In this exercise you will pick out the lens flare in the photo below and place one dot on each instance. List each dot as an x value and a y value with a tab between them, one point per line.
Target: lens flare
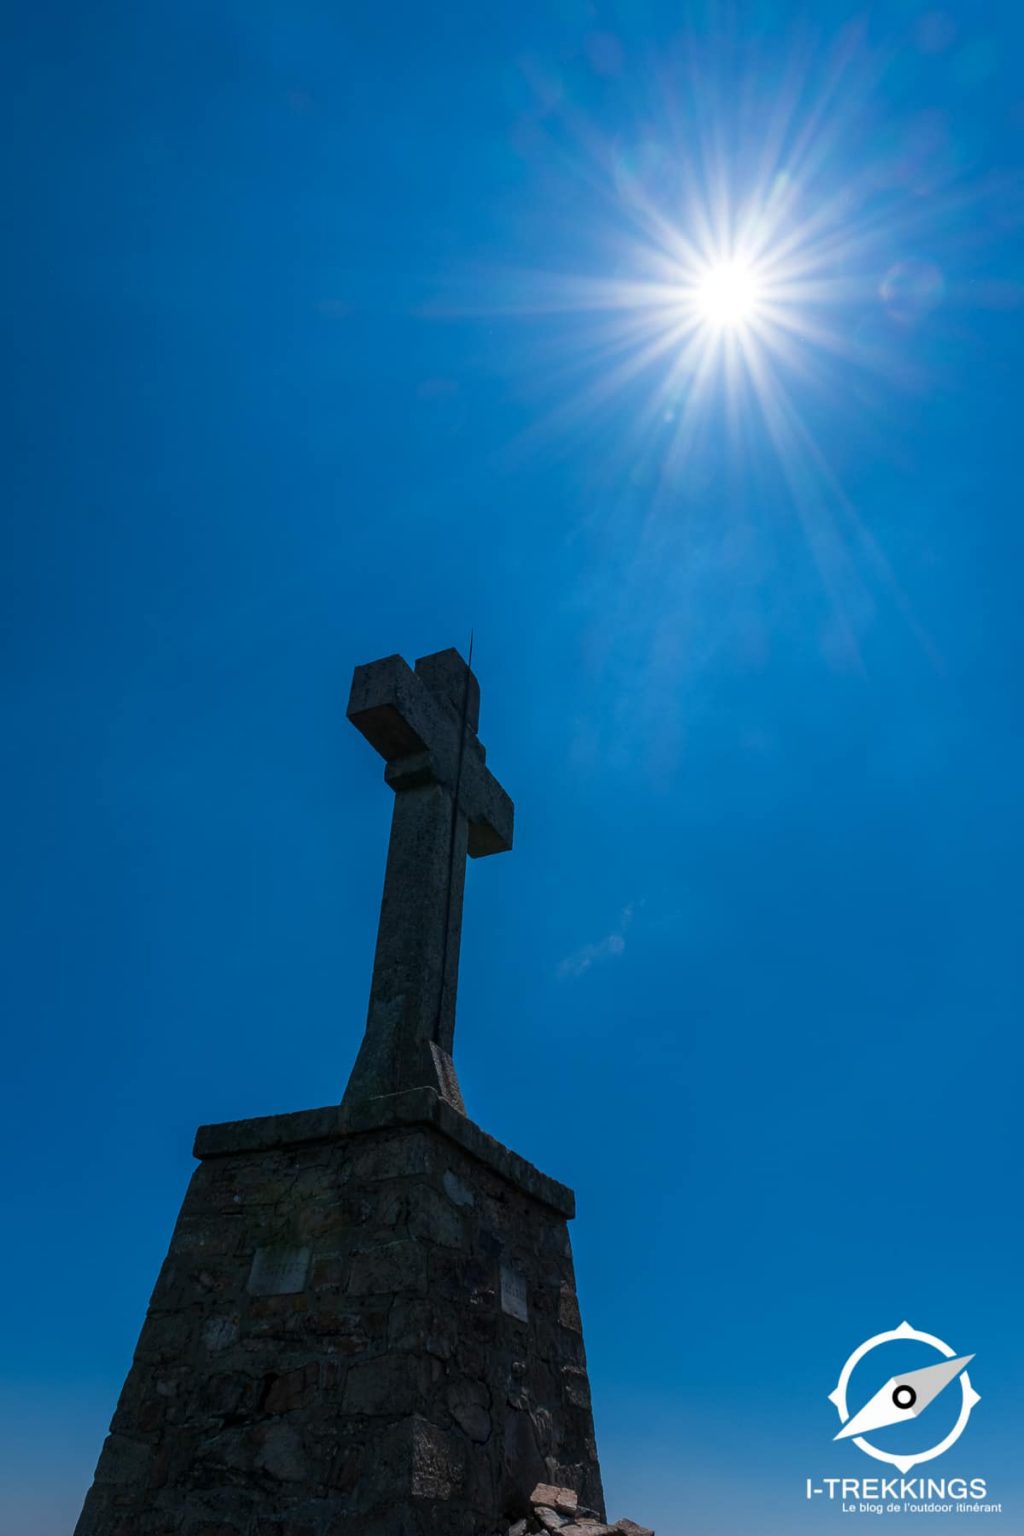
726	286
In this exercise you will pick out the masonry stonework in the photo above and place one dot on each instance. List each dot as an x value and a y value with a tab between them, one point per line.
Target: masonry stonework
355	1331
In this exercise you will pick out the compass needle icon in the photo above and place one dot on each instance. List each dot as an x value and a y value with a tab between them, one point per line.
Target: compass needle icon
904	1397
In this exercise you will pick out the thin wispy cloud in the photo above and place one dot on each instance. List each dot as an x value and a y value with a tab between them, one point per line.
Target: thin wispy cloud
578	963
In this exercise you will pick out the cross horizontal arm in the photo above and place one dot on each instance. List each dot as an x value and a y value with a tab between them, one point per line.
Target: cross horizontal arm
418	734
489	810
395	710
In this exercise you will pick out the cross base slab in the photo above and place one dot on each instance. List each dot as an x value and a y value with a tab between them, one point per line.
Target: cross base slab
414	1106
381	1066
366	1326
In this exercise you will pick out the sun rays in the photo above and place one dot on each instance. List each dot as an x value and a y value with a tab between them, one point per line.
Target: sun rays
721	319
744	249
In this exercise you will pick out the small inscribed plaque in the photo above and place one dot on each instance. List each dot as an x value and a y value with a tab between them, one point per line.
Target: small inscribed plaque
278	1271
513	1293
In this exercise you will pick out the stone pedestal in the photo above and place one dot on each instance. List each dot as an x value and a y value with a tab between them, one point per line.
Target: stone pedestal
366	1326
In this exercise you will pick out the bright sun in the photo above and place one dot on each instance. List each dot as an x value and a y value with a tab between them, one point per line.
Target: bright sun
727	295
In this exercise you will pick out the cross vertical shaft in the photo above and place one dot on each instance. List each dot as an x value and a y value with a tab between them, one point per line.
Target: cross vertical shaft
447	806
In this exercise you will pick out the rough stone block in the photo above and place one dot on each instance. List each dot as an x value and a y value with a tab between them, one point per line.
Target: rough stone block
281	1453
438	1462
387	1385
293	1389
389	1270
123	1461
469	1403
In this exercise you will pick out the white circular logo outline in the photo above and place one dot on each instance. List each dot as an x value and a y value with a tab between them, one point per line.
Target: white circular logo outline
968	1397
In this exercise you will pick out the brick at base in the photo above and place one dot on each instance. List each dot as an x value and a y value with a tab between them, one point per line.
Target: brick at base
362	1328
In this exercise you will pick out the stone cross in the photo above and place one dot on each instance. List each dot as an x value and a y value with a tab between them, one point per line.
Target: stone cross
447	805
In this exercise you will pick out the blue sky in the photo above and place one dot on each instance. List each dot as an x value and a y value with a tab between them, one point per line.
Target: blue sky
307	368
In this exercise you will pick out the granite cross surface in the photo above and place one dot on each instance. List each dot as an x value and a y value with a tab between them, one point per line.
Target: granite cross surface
447	805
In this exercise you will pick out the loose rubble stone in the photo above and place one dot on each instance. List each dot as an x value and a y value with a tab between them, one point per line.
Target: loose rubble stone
555	1498
544	1519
